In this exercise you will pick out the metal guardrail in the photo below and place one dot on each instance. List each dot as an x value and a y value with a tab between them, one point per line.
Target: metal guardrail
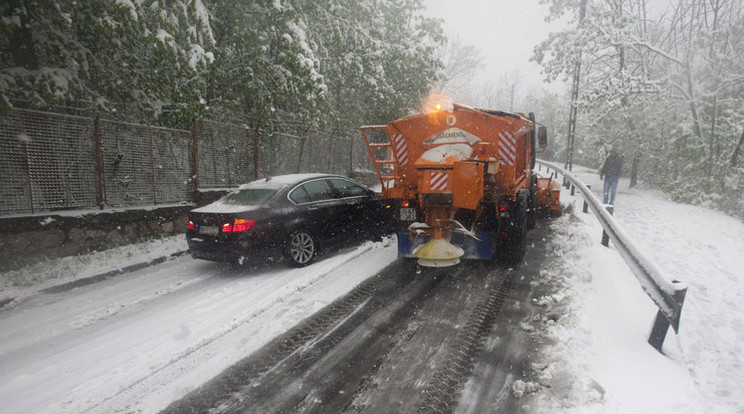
668	294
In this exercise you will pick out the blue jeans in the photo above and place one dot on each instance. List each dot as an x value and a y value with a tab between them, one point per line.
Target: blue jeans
610	187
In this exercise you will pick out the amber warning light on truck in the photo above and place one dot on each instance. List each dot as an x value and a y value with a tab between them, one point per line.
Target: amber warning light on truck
437	101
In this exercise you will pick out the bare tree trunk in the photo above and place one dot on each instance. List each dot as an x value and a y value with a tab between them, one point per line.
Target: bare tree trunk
693	108
573	113
22	45
712	144
634	170
735	155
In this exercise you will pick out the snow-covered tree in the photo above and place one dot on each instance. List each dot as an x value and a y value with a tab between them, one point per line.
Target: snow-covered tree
667	91
100	56
378	58
265	71
280	64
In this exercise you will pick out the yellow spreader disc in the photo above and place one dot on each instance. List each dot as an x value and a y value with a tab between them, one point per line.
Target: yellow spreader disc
438	253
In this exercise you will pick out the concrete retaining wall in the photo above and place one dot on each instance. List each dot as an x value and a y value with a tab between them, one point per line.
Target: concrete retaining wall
25	239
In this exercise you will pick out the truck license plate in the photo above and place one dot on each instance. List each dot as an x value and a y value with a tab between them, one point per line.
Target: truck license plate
209	230
408	214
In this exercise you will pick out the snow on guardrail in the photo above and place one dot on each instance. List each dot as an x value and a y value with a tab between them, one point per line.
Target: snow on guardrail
668	294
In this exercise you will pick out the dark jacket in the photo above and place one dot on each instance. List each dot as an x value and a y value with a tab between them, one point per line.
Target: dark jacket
612	166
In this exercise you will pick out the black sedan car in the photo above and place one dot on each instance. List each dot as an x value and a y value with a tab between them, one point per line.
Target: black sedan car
290	216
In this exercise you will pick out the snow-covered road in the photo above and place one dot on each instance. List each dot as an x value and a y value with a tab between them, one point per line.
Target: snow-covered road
135	343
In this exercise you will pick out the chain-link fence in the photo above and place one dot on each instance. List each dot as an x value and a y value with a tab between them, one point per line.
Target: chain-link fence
54	162
143	165
47	162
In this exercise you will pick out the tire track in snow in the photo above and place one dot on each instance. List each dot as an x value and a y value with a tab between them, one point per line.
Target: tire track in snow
147	393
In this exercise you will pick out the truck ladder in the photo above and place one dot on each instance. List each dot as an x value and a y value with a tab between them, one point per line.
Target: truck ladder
385	166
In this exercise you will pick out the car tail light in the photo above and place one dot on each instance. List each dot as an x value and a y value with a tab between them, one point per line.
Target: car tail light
191	225
405	203
237	226
503	206
242	225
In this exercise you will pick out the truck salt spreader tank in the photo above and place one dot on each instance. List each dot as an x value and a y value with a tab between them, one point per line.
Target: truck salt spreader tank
464	181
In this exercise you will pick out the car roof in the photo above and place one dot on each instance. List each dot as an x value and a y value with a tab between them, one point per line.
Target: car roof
278	182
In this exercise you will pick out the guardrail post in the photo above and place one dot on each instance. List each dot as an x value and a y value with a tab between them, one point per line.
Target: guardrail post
661	324
573	189
605	237
585	209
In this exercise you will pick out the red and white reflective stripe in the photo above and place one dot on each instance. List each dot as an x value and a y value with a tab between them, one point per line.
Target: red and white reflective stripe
401	149
507	148
438	181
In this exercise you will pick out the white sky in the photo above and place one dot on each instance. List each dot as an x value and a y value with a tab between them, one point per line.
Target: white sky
506	31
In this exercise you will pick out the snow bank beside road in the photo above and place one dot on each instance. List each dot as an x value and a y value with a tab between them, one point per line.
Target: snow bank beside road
599	360
16	285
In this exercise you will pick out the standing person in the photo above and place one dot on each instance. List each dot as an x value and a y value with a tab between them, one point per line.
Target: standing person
611	170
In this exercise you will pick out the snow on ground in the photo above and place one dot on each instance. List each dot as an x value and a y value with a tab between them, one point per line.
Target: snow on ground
599	360
103	347
21	283
138	341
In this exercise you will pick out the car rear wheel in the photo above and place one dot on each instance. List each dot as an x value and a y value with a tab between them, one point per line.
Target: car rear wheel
301	249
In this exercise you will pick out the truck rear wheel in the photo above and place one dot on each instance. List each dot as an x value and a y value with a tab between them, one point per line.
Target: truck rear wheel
514	241
516	245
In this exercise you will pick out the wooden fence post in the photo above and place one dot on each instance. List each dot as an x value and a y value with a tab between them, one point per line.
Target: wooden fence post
99	161
351	155
152	168
302	148
194	160
255	151
29	179
330	152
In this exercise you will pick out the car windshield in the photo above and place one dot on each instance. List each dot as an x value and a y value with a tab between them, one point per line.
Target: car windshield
248	196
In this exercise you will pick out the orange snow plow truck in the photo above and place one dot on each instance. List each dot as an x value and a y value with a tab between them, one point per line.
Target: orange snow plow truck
463	181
